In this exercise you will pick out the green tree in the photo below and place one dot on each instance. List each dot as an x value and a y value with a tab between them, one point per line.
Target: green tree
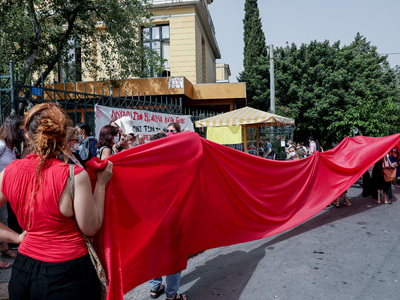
397	71
254	49
330	89
40	36
371	102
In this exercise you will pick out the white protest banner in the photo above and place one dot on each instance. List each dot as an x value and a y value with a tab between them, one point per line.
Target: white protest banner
146	122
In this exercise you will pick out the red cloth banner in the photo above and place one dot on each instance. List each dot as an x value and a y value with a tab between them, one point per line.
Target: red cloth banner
182	194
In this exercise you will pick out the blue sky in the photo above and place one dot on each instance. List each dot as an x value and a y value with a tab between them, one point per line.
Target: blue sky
302	21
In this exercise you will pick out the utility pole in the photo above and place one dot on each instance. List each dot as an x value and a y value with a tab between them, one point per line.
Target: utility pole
272	78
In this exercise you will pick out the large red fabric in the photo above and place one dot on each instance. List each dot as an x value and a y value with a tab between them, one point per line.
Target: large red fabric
183	194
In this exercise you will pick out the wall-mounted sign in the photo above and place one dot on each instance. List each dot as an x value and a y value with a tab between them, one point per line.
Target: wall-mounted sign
175	82
37	92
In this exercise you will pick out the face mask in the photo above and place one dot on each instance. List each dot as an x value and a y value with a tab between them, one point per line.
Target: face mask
291	154
116	139
170	133
75	147
298	147
394	150
80	137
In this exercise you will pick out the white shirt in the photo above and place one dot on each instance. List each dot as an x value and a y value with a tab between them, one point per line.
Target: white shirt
6	155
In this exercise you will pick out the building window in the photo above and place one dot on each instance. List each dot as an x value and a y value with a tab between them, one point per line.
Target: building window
157	39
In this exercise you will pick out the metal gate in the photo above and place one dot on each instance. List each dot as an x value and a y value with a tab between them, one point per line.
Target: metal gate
16	98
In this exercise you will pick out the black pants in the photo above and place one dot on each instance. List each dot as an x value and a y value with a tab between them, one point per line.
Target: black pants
34	279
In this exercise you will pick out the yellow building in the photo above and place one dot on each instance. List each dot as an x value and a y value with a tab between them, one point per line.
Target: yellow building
184	35
223	72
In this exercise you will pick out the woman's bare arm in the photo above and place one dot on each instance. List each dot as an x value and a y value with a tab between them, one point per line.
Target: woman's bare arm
89	209
7	234
106	153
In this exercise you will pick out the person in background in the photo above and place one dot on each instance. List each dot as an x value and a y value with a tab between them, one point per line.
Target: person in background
300	151
312	145
87	147
108	137
269	152
288	145
73	148
252	149
173	128
173	280
53	260
368	184
121	144
261	147
128	138
293	153
304	148
11	136
345	200
158	135
380	184
395	159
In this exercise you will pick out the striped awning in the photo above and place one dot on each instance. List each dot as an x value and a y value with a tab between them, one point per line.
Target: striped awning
245	115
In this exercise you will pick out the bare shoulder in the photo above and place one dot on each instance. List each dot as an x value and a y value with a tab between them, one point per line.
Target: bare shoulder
82	176
106	153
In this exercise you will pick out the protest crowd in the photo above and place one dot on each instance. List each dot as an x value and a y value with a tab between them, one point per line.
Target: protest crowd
58	208
378	181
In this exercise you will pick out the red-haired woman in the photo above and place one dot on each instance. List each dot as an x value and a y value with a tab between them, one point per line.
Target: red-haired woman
108	137
53	260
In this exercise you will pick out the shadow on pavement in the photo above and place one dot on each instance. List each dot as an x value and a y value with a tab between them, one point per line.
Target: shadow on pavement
226	275
329	215
232	271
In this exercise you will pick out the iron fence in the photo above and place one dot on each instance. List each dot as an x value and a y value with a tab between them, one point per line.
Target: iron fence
6	94
16	97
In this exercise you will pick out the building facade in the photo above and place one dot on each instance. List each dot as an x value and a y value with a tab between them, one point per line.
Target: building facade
184	35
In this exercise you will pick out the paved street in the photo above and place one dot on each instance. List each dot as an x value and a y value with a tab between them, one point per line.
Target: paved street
341	253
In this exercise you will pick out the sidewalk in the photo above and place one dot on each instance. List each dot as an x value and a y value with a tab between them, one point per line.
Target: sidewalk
5	276
323	227
345	253
3	290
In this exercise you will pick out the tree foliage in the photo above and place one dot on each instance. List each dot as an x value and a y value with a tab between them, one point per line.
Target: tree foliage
329	89
397	71
38	34
254	49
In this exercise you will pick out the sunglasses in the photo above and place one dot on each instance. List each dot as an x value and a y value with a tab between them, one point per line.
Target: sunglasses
173	131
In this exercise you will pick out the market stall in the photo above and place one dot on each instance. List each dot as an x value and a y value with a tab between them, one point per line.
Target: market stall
231	127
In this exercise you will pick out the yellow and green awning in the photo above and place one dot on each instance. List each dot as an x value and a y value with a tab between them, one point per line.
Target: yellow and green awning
245	116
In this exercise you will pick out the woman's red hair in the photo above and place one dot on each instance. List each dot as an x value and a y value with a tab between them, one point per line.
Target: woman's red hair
46	125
